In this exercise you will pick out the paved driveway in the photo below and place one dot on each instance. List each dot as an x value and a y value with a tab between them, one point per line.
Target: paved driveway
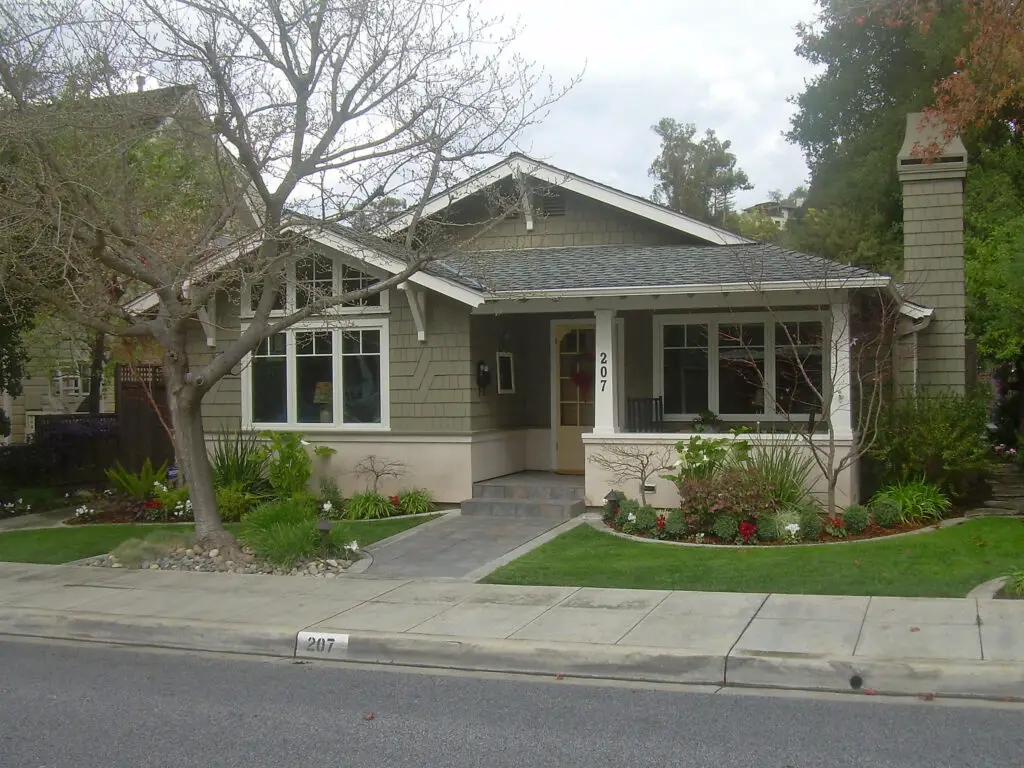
454	546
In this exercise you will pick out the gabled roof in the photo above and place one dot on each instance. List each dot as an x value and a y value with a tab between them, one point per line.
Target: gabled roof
519	164
638	269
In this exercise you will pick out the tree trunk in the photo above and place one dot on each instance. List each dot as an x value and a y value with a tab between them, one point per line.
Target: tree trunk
190	450
96	361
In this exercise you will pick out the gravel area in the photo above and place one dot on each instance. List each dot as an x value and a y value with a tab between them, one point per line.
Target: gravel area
212	561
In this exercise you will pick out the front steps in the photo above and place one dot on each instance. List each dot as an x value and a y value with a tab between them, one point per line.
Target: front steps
528	494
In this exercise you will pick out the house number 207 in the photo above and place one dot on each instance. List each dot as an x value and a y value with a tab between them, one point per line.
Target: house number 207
604	370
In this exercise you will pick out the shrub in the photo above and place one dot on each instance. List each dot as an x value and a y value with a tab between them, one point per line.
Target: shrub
857	518
1015	583
943	435
886	512
282	511
811	524
289	466
138	485
332	503
369	505
726	527
835	526
282	532
626	519
675	524
416	502
741	492
918	502
233	502
240	461
702	458
787	525
784	470
646	520
768	528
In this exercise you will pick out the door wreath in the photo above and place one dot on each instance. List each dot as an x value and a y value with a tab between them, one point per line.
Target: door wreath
582	375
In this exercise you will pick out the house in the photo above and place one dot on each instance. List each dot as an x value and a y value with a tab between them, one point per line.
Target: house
588	319
779	211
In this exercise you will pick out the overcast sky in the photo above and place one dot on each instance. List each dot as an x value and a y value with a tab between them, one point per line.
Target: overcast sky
722	64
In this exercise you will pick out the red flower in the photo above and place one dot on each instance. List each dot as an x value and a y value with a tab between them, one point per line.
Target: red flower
152	504
394	501
661	522
748	531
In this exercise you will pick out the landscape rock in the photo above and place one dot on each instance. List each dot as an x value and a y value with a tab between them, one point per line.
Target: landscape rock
192	559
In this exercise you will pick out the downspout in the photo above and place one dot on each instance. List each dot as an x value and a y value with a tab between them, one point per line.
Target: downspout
914	330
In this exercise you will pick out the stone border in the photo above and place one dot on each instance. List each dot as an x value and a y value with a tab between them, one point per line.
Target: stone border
988	590
598	524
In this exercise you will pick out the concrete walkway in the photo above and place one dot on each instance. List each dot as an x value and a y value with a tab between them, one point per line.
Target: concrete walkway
881	644
51	519
456	546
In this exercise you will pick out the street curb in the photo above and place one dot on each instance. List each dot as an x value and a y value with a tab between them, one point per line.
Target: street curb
979	679
585	660
180	634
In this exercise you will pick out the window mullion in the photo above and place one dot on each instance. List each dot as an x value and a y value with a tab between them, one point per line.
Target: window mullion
291	387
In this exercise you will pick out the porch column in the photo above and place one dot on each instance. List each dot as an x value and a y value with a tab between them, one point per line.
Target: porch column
605	412
841	382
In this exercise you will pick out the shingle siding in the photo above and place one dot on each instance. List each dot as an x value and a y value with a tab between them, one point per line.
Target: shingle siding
222	406
933	264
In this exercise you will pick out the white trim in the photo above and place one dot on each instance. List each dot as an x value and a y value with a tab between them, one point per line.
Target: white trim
670	438
338	326
606	417
712	320
511	390
520	164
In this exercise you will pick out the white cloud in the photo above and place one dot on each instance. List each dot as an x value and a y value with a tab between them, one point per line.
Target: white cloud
727	65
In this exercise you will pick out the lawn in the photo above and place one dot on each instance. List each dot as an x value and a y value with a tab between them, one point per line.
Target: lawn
945	563
62	545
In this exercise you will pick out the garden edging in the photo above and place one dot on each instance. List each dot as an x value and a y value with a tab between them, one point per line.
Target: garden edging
988	590
599	524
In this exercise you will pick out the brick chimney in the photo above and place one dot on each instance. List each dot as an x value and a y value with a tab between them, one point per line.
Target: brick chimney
933	253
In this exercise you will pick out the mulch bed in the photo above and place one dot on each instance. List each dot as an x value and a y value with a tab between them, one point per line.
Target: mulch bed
120	511
873	531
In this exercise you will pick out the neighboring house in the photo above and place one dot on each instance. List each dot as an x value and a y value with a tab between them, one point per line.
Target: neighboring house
779	211
569	328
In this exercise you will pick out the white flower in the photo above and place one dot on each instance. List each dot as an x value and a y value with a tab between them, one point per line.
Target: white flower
304	442
793	528
678	464
631	517
20	501
700	538
353	545
327	506
28	507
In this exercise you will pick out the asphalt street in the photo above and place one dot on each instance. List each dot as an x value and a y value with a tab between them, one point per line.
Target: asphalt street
65	705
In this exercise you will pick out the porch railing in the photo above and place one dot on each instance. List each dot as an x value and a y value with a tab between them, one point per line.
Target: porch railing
645	414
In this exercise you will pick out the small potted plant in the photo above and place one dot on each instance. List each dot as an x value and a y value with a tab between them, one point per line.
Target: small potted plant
706	421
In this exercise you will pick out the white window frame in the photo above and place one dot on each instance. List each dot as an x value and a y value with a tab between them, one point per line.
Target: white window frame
768	320
71	385
338	262
338	326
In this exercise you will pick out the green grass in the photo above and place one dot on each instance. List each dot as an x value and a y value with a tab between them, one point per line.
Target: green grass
62	545
945	563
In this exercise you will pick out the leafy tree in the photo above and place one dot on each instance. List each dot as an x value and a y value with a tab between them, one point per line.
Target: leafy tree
15	321
850	122
122	194
698	178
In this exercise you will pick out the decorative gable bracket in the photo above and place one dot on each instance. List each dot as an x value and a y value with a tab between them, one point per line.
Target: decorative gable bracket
417	306
208	319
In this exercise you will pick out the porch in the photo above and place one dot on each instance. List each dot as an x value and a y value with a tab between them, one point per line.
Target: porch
572	384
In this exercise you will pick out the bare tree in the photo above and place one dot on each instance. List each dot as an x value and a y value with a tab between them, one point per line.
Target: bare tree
107	195
634	463
377	468
841	362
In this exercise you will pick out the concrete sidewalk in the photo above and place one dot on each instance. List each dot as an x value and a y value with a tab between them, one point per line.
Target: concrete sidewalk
885	645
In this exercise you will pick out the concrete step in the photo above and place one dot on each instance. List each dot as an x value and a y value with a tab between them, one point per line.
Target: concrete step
497	489
553	509
1012	504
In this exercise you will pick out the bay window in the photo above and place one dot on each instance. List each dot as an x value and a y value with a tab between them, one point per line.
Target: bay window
740	366
322	373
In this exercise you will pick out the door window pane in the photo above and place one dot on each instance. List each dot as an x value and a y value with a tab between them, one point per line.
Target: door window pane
360	377
685	369
270	381
799	369
741	356
314	376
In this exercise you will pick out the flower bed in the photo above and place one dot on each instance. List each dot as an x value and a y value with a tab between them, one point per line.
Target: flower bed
735	495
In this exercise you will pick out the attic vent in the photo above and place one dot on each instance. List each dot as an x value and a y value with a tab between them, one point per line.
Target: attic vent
551	203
